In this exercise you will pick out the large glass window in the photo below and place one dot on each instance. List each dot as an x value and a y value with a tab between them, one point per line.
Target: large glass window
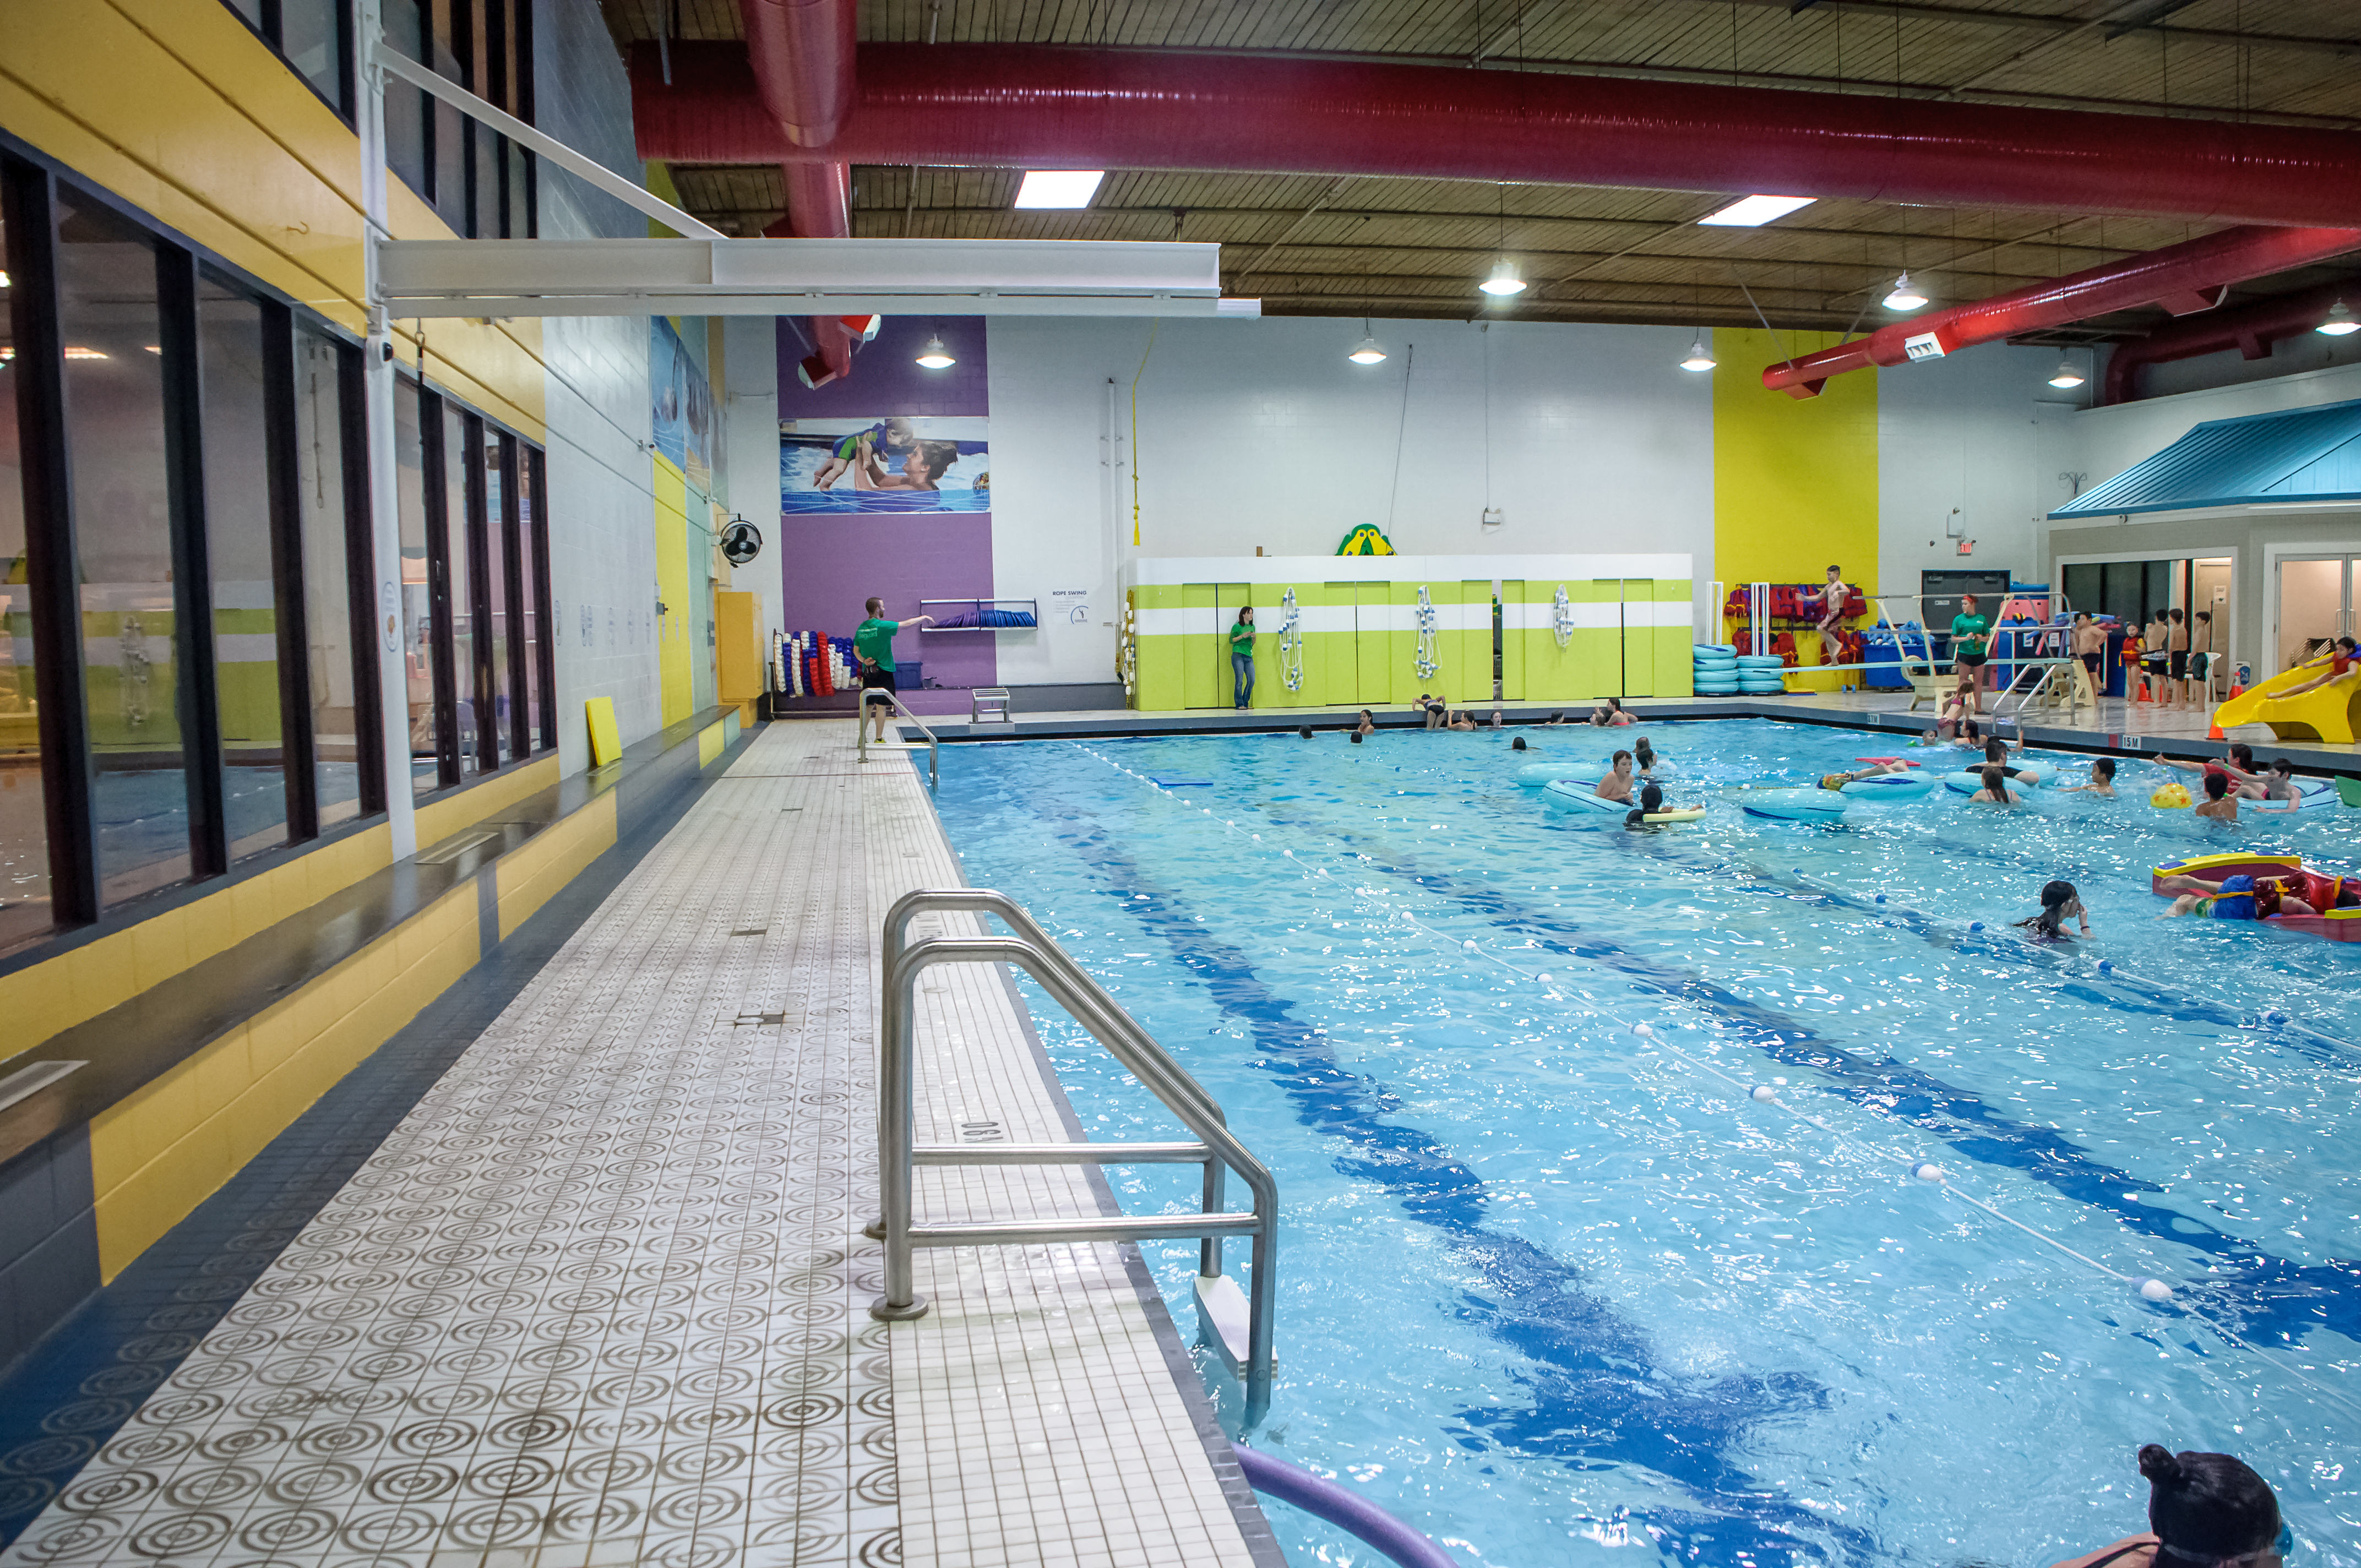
320	501
133	650
499	527
238	562
309	36
458	600
418	650
24	820
533	569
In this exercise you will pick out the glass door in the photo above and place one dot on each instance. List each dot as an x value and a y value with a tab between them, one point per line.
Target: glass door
2315	604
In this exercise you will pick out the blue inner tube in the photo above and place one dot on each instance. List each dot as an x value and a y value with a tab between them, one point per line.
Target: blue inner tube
1795	805
1584	793
1894	786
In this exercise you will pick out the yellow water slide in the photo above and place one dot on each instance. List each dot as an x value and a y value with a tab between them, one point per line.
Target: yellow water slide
2328	714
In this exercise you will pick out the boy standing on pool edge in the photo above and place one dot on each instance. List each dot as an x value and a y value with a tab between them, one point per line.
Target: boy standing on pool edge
873	646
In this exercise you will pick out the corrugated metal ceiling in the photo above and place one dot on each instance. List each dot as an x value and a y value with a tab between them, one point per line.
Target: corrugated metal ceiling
1417	246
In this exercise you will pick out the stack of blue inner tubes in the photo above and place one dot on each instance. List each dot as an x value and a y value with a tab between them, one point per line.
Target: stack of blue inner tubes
1717	669
1759	673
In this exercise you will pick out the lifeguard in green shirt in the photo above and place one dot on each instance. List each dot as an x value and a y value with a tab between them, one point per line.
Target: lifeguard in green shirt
873	646
1242	636
1968	630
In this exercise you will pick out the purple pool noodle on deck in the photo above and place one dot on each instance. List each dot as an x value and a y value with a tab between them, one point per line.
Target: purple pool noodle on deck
1346	1510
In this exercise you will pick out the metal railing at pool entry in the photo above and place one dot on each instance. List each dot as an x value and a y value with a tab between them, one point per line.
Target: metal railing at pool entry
1350	1511
861	726
1088	1004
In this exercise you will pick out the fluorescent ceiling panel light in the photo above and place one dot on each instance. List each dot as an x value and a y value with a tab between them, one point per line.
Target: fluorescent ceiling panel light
1751	212
1059	187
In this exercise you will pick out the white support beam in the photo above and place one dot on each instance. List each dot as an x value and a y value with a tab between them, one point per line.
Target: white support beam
395	63
800	277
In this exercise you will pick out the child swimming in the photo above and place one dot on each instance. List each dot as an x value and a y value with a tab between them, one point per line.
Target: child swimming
2059	902
2102	780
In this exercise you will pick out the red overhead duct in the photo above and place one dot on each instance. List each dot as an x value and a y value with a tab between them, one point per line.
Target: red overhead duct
1036	106
800	55
2183	278
2251	329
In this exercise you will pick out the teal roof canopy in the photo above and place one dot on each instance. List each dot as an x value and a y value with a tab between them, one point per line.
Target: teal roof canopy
2301	455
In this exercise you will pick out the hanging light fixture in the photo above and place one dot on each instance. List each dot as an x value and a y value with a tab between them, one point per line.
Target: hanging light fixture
1369	351
2066	374
934	356
1906	295
1699	359
2340	322
1504	280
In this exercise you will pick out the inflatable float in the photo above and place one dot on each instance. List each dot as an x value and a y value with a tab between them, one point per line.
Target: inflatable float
1970	780
1584	793
1890	787
1795	805
2338	897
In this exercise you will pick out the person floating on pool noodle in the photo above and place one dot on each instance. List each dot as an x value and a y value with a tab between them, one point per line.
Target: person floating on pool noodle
855	451
2204	1511
2341	661
1651	800
2102	780
1617	785
1995	791
2060	901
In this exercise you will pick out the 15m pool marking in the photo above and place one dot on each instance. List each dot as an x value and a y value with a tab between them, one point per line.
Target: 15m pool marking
2043	1153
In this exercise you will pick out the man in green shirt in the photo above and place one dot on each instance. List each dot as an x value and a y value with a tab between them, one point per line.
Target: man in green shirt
1242	636
873	646
1968	630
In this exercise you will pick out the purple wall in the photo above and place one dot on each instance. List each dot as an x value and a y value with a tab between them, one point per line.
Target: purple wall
830	563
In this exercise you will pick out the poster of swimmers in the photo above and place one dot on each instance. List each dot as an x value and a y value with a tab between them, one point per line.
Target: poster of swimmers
888	462
681	398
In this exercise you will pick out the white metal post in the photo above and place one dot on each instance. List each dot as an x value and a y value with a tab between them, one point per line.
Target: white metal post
378	391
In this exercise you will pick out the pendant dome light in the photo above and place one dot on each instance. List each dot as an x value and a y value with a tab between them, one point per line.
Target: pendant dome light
1699	359
1505	279
1906	295
2066	374
1369	351
2340	322
935	356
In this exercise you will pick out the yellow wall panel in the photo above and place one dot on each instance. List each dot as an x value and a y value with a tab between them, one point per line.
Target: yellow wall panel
672	586
587	835
708	745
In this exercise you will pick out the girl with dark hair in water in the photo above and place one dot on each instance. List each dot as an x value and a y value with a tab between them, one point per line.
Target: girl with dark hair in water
2204	1511
2060	903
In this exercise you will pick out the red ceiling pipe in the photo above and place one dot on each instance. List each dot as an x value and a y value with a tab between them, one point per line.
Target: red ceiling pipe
1036	106
2183	278
2251	329
801	54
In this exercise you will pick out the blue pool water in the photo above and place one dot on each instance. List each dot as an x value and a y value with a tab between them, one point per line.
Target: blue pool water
1559	1293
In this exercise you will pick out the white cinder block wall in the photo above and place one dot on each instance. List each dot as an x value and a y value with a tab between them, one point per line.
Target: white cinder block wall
1261	433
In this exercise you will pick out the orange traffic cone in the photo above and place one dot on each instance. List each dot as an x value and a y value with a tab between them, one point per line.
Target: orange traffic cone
2215	734
2236	688
2142	693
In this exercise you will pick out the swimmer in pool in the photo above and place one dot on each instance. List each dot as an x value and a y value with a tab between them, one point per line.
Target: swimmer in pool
1995	791
922	469
2238	768
2219	804
1437	716
1518	744
1617	785
2102	780
2059	902
1644	759
1652	799
1875	769
1997	755
2204	1511
1357	737
1609	714
1463	720
1369	725
1557	719
2279	784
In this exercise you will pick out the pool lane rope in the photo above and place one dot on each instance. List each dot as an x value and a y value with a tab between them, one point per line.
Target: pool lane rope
2150	1288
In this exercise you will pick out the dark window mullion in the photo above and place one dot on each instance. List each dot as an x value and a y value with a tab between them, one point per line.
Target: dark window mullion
370	624
426	106
195	690
480	596
462	50
273	24
29	199
347	83
290	611
545	645
512	588
522	89
495	76
432	426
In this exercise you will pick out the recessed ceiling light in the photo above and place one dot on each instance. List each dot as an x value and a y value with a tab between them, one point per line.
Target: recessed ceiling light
1699	359
1504	280
934	356
1059	187
1750	212
2066	374
1906	295
2340	322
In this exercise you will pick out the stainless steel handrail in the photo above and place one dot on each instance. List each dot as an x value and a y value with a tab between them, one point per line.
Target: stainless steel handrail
1089	1004
860	725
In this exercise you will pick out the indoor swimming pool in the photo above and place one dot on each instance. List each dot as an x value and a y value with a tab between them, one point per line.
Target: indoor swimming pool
1889	1242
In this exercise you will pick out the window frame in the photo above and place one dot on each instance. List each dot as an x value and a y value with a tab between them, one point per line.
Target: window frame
271	30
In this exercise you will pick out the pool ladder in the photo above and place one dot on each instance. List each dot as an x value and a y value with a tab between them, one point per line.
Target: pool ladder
860	727
1245	1345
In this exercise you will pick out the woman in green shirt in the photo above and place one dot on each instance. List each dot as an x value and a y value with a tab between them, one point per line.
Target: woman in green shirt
1968	630
1242	636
